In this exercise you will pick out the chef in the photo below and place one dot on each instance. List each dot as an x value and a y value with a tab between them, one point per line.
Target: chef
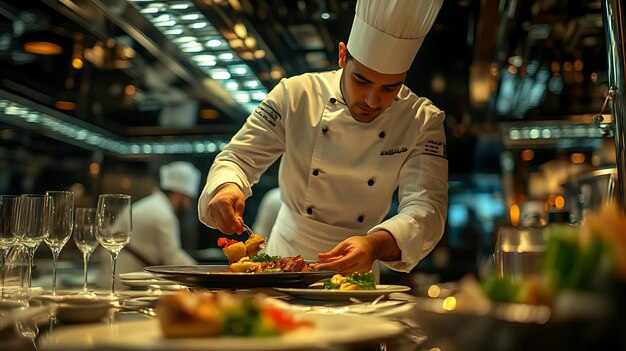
348	139
156	227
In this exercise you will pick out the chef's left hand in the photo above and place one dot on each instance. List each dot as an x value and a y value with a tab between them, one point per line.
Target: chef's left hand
354	254
357	253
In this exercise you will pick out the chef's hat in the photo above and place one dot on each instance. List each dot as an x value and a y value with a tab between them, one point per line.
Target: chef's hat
181	177
386	34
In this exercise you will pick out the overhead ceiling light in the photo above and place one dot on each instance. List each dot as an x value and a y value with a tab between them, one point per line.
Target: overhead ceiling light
209	114
199	38
198	25
231	85
236	43
250	42
240	30
220	74
149	10
77	63
252	84
173	31
213	43
65	105
43	48
66	128
235	4
259	54
227	56
247	55
185	39
190	17
179	6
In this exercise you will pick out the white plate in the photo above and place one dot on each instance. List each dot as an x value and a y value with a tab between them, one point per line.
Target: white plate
136	276
146	335
147	282
317	292
77	299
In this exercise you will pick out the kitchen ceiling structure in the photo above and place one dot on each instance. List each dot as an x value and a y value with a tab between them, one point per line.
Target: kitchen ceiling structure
146	77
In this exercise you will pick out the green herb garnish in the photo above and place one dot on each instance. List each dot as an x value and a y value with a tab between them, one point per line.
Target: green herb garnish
263	257
365	281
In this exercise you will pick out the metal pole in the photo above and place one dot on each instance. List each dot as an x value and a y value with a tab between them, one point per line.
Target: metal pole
614	26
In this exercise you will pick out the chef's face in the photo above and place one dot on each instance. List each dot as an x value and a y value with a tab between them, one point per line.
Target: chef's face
367	92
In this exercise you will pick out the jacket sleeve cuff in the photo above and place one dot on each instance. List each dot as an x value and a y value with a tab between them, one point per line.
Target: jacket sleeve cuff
408	235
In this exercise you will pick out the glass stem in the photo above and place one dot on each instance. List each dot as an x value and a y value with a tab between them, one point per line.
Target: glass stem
85	260
55	258
5	254
31	257
113	261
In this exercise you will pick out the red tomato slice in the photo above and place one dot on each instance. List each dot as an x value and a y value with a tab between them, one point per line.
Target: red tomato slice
225	242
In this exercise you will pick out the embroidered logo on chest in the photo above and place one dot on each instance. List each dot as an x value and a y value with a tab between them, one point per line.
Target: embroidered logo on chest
393	151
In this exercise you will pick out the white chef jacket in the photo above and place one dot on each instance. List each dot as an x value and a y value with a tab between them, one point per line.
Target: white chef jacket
155	236
337	175
267	212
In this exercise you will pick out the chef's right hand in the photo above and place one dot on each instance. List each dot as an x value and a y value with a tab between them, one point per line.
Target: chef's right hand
226	208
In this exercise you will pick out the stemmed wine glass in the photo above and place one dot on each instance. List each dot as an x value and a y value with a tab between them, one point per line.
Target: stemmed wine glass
7	233
60	209
32	226
114	222
85	235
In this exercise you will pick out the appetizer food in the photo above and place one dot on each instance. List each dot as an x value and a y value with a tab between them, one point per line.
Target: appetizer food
264	263
207	314
245	257
354	281
236	250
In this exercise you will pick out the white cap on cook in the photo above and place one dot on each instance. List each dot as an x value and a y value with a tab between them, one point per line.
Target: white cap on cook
387	34
180	176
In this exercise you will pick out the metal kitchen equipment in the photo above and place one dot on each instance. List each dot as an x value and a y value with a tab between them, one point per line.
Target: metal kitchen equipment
615	29
593	190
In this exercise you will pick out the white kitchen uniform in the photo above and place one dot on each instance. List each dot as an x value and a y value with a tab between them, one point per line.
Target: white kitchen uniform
155	236
337	175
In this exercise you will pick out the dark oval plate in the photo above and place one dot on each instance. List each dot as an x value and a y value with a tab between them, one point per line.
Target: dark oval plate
218	276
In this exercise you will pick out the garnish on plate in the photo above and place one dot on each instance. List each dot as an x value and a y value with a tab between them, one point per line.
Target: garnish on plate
263	257
208	314
354	281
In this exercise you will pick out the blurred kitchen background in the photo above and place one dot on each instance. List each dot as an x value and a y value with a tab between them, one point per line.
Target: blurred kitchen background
95	95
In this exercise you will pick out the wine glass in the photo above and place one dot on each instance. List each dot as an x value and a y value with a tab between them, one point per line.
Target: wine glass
114	222
7	233
60	209
32	226
85	235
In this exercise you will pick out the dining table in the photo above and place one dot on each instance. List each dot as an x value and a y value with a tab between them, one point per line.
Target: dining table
392	317
45	322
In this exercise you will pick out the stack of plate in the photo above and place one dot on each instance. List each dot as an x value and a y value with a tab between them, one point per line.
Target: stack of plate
146	280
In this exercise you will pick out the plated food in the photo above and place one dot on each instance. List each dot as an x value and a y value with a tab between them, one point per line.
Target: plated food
244	257
209	314
236	250
354	281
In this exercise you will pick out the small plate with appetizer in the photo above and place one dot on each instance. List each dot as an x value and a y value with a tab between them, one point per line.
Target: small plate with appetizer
339	287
